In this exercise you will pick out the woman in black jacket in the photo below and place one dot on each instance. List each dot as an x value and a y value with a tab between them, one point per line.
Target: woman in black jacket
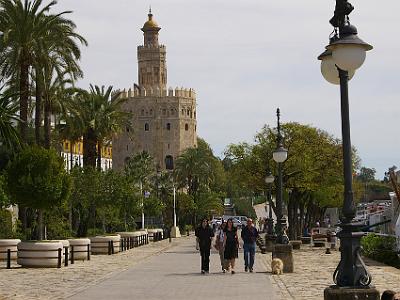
204	234
231	245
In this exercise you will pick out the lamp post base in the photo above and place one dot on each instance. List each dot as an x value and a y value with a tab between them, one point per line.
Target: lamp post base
285	253
269	242
175	233
344	293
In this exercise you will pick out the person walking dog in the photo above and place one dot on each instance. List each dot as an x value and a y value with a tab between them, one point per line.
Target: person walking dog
204	234
249	236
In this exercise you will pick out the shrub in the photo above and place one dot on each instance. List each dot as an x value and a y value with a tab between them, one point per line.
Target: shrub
381	248
6	230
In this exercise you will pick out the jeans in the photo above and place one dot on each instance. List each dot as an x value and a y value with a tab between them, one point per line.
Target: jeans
249	250
205	258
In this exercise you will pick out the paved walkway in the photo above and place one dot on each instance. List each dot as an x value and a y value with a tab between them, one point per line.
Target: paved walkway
174	274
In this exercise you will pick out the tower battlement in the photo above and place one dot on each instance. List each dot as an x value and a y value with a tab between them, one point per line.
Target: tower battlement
141	47
153	92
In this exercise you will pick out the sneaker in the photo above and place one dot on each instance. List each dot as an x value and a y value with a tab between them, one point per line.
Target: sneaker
251	270
203	272
233	272
223	270
246	269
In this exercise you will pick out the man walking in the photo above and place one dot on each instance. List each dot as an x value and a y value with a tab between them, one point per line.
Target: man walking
249	236
204	234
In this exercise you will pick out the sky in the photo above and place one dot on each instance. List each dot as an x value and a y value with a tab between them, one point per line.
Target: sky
245	58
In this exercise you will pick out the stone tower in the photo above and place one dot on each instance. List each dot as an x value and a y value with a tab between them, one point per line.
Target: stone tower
163	121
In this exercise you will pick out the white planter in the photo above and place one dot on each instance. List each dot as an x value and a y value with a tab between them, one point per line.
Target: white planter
80	248
100	243
8	244
39	254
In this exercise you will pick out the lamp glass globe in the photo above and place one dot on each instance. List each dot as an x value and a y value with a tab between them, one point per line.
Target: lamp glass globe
348	57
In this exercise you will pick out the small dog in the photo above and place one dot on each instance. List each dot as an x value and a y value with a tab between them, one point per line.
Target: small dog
277	266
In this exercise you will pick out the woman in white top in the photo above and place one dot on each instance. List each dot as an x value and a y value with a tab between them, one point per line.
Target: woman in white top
219	244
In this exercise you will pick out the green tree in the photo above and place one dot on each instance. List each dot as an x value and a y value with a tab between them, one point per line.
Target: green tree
100	118
9	136
28	30
366	174
36	178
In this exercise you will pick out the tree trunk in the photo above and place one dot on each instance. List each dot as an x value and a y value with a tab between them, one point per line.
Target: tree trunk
89	149
71	156
47	124
40	224
23	97
99	146
38	108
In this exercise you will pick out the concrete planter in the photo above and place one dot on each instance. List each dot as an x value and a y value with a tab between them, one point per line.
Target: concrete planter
154	232
80	248
100	244
8	244
39	254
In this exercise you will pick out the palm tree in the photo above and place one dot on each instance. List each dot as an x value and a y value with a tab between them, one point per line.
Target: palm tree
9	136
27	31
100	118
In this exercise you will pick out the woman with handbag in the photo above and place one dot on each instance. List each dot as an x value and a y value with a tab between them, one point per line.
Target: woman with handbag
219	244
231	246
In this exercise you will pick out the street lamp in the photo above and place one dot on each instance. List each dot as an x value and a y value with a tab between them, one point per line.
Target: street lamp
345	53
269	179
279	155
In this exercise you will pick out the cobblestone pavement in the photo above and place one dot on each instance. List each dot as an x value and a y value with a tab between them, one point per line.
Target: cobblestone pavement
48	283
314	270
175	274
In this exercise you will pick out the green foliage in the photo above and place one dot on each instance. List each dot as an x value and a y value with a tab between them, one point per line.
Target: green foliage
366	174
6	229
37	178
381	248
4	198
243	207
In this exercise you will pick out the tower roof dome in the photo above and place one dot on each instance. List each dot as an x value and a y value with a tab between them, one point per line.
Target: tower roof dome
150	23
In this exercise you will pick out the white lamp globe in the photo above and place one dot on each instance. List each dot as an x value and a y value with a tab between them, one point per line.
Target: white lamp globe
348	57
280	155
328	68
269	179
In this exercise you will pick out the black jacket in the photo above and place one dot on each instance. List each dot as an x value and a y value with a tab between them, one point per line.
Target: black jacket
204	235
249	236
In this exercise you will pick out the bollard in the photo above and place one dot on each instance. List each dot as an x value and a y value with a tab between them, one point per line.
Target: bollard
8	258
112	247
121	245
72	255
59	258
170	239
88	251
66	257
109	247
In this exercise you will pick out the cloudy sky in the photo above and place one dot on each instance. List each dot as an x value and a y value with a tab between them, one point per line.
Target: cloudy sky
245	58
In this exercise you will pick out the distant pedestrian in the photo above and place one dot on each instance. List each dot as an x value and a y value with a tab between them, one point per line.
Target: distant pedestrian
219	244
231	246
204	234
249	236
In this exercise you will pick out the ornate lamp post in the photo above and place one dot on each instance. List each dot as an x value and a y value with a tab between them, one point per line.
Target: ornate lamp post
269	179
279	155
345	53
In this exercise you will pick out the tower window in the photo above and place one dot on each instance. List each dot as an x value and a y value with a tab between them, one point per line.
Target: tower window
168	126
127	129
169	162
146	127
186	127
188	112
183	112
195	114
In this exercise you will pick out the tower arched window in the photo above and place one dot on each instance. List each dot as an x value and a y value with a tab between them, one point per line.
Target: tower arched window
168	126
186	127
169	162
146	127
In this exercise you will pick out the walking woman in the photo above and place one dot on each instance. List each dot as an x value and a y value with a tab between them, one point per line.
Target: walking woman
204	234
231	245
219	244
